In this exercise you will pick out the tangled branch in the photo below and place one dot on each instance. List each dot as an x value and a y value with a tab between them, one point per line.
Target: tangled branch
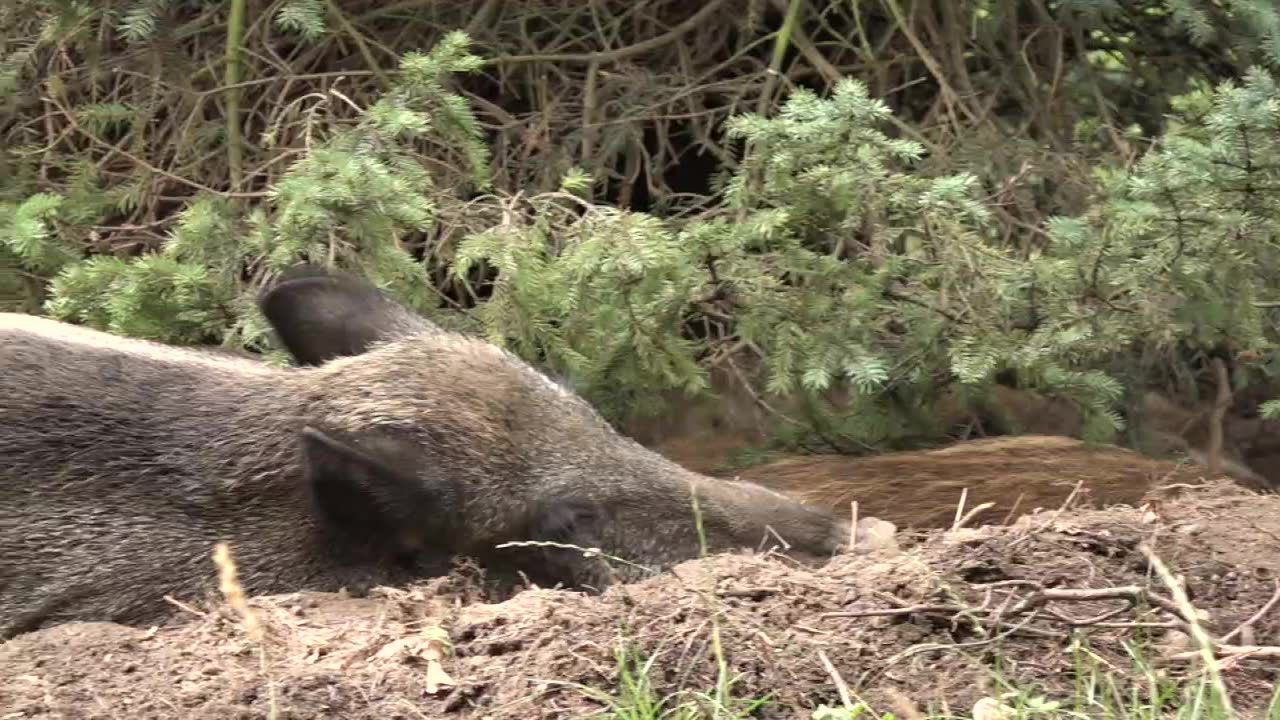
1013	607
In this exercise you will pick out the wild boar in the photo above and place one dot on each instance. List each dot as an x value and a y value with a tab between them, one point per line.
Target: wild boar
1016	473
705	434
395	447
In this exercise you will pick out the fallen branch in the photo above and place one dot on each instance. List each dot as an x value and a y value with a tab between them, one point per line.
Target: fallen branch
1275	597
973	513
1000	619
1032	532
1035	600
1232	651
1220	405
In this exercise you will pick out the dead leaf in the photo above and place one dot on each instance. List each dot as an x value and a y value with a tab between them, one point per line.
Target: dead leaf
989	708
431	645
438	646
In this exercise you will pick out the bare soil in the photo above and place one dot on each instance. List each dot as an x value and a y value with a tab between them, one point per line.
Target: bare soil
336	657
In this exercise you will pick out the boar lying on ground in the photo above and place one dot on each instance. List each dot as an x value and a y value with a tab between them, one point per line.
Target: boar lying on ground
1018	474
396	447
705	434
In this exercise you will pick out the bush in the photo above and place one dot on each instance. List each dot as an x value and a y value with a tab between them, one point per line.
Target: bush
865	288
345	204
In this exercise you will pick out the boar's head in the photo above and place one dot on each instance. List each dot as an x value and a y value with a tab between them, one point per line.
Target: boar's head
415	422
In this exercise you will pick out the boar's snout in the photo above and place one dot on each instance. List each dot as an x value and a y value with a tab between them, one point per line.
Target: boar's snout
808	530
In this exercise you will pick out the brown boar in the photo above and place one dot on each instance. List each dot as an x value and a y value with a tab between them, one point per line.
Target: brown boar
395	448
703	434
921	489
1013	411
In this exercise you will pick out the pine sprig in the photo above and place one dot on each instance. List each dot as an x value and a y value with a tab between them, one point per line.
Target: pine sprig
305	18
347	203
864	286
138	23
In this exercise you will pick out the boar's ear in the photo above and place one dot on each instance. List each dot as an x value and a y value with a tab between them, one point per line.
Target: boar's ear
319	316
368	491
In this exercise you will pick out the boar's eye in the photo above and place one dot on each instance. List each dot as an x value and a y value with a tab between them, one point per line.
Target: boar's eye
573	521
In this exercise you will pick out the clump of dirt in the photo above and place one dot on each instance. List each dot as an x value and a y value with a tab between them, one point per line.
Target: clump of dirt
926	623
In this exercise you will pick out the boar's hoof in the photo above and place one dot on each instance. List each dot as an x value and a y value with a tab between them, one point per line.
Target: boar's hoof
875	534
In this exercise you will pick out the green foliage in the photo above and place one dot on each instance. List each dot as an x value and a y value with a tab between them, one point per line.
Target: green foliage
1252	26
156	297
1270	410
843	271
851	276
576	182
1182	250
30	235
863	284
346	203
139	21
599	298
1103	689
305	18
13	289
636	699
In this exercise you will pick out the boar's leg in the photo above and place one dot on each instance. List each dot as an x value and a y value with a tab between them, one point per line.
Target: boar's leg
319	316
361	489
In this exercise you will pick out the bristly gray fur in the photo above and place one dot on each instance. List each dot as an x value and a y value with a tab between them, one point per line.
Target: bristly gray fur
124	461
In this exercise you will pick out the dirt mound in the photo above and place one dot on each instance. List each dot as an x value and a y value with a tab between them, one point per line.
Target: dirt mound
927	624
